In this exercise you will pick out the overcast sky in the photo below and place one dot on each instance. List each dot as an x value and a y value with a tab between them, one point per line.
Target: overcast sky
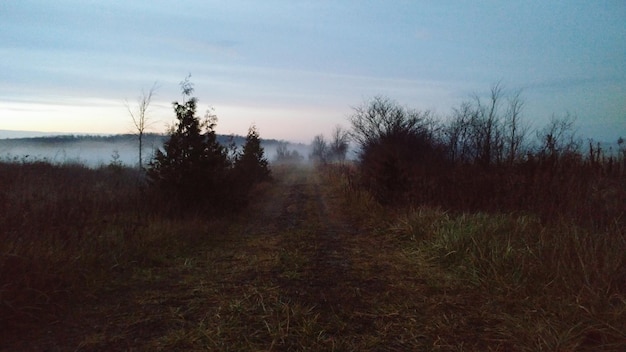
295	68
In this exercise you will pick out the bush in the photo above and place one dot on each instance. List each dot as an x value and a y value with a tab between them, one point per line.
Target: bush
475	163
393	143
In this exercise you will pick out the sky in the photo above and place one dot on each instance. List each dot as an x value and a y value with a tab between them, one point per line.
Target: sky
297	69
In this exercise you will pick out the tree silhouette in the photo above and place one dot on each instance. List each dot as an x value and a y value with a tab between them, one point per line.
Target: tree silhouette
284	155
320	151
338	147
251	165
393	142
140	117
191	167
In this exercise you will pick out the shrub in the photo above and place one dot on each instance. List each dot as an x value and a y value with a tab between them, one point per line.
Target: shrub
393	142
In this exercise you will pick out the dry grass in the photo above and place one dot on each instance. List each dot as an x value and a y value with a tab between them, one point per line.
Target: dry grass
500	281
312	264
548	288
68	230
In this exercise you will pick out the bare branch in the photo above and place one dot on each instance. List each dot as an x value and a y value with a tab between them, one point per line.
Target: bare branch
140	117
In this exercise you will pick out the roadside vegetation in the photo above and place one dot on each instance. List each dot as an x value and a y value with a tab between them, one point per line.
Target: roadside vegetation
531	230
69	230
499	281
473	233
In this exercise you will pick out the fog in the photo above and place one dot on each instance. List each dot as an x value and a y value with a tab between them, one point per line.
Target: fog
71	149
96	151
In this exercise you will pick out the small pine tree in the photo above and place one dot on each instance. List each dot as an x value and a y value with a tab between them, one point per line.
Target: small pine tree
192	166
252	166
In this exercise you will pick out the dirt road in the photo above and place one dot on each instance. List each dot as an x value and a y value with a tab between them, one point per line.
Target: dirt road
307	267
292	273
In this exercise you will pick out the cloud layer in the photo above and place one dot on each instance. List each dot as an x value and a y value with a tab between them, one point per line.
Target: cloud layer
306	61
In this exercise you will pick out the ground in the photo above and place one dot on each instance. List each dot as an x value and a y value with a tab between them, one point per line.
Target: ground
286	279
295	271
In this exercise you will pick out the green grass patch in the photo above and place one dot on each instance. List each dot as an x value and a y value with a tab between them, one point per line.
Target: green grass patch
546	287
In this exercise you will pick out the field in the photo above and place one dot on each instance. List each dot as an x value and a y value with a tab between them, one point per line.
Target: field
88	264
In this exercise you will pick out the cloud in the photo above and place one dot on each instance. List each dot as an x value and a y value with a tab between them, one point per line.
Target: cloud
571	82
223	48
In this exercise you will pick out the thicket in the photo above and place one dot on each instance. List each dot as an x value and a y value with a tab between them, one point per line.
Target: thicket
528	223
483	158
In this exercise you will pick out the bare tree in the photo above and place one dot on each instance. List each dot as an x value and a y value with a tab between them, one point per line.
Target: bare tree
559	137
487	132
140	117
458	132
515	131
319	148
339	144
284	155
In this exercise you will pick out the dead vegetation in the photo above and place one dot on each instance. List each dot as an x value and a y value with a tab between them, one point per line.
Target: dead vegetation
312	264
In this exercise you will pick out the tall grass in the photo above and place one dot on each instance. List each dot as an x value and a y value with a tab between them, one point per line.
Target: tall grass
571	187
68	230
551	284
565	277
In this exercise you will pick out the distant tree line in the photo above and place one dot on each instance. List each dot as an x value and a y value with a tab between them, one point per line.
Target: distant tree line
484	157
286	156
330	152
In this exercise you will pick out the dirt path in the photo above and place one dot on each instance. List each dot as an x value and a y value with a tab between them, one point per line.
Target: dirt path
319	281
326	279
291	274
302	269
343	277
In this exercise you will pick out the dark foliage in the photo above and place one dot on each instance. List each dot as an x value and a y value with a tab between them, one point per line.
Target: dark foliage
251	166
192	165
191	168
194	170
482	161
395	143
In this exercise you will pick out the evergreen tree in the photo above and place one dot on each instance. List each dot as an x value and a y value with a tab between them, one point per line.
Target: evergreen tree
192	166
252	166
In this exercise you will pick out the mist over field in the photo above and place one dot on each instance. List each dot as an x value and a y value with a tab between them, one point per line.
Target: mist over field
95	151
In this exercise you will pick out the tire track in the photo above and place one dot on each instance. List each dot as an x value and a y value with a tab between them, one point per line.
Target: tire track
327	282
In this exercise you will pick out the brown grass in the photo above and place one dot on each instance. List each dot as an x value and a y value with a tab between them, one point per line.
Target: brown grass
313	264
506	281
67	230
